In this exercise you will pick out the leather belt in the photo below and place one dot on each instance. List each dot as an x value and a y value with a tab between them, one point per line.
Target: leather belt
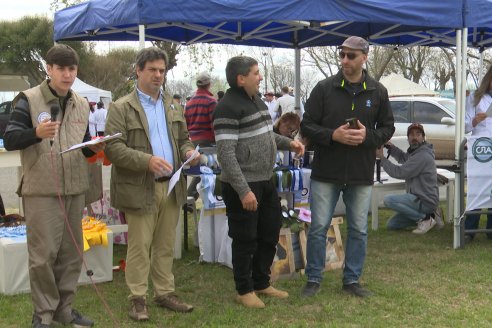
162	179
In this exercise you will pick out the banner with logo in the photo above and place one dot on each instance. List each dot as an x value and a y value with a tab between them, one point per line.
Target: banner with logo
479	173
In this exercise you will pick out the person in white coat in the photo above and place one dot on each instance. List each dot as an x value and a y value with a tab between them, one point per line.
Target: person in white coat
100	117
479	124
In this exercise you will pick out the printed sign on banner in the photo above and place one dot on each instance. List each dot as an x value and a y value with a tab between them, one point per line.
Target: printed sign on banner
479	173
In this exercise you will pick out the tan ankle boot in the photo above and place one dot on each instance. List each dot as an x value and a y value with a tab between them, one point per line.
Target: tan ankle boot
250	300
272	292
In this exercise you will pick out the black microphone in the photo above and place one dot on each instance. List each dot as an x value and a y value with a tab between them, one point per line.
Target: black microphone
55	109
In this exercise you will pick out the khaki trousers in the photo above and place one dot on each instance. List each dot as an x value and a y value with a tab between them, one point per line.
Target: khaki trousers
54	262
151	238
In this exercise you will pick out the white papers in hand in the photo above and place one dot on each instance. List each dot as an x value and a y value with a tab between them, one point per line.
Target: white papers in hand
175	178
92	142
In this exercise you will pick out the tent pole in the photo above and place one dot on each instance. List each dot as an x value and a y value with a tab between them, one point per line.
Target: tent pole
141	36
297	82
464	45
457	181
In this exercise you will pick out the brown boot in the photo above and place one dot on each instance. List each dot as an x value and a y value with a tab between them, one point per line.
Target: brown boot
172	302
272	292
250	300
138	309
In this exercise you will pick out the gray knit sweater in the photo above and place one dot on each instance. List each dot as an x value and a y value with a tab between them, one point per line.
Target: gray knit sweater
246	143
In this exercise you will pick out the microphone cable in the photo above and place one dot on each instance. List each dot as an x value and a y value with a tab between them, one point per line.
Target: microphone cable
88	272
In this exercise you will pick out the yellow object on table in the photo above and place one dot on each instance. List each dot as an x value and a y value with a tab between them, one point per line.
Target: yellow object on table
95	232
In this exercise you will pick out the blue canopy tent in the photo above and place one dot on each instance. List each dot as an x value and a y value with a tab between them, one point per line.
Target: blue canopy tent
287	24
276	23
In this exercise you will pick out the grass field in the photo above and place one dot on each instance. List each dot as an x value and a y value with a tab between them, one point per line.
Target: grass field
418	281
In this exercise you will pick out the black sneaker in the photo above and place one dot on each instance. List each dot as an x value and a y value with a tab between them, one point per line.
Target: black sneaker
36	322
311	289
80	321
356	290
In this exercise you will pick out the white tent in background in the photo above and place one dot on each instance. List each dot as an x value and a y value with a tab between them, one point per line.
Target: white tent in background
93	94
397	85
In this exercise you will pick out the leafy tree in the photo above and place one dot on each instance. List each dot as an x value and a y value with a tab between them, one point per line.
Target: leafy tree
113	71
23	43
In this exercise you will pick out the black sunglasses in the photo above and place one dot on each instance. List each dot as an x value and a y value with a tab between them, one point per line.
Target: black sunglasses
350	55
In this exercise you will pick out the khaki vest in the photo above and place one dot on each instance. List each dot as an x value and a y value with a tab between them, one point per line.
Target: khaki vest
46	172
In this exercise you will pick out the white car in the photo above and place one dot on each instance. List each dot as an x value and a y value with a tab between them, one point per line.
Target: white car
436	114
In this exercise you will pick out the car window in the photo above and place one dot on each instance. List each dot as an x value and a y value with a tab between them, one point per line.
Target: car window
427	113
449	104
400	111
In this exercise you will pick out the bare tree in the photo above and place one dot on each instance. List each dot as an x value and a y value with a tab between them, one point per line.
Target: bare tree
309	78
380	61
180	87
412	61
281	75
325	59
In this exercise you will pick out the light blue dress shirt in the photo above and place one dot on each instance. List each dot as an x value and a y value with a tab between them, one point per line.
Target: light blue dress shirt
156	118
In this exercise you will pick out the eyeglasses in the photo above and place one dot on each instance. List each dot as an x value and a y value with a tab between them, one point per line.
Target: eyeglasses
350	55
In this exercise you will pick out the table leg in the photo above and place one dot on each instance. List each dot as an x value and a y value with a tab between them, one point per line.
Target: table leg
450	200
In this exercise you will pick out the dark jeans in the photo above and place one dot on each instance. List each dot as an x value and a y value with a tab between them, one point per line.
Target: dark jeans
254	235
472	221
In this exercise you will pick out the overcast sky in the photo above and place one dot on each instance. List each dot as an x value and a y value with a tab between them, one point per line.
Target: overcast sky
14	9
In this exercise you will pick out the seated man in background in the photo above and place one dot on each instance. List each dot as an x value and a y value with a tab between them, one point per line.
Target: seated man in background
418	169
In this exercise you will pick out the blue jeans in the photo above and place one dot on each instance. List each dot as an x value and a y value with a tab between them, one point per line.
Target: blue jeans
324	197
409	210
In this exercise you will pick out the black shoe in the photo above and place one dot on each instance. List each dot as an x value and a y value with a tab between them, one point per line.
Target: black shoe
311	289
36	322
356	290
80	321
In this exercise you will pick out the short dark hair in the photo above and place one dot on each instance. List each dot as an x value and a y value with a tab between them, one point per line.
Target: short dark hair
150	54
62	55
239	65
100	104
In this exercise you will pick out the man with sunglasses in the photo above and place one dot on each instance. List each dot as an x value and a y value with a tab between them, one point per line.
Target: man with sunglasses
418	169
347	117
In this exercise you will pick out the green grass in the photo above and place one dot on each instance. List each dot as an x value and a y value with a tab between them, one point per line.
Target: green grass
419	281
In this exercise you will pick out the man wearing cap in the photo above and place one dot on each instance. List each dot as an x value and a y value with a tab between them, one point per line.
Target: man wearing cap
344	158
271	103
198	113
418	169
199	110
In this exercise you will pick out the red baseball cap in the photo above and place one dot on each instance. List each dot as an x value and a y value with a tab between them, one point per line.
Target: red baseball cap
416	126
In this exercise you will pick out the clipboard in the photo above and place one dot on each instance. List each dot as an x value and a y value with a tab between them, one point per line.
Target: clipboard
92	142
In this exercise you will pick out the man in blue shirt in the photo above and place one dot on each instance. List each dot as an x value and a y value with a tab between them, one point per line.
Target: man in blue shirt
153	145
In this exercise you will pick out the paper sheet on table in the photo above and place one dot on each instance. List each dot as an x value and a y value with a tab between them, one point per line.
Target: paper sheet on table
174	179
489	111
92	142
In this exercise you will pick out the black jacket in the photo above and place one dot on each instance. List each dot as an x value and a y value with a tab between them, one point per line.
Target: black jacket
327	108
